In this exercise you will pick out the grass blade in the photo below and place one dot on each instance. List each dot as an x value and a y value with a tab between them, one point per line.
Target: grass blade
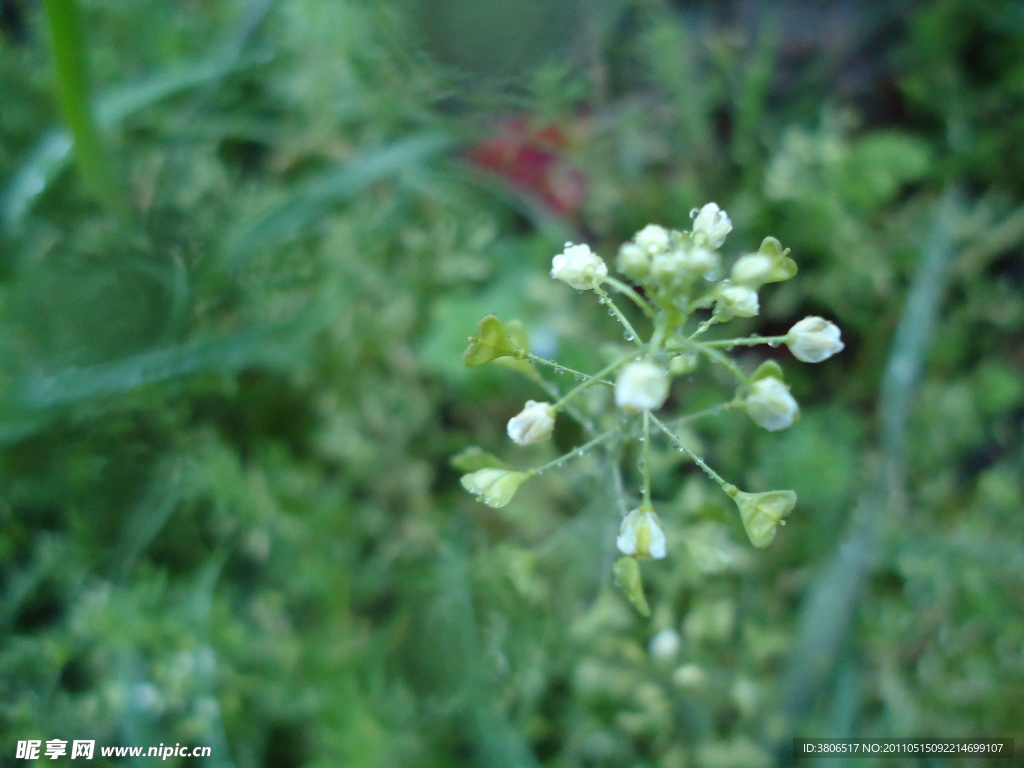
70	69
51	154
316	198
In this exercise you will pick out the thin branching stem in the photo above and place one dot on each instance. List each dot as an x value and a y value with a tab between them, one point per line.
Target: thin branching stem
748	341
721	359
635	297
728	487
567	369
645	460
713	410
591	381
579	450
631	333
703	327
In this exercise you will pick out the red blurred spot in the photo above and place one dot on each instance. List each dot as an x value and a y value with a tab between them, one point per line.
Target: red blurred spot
532	160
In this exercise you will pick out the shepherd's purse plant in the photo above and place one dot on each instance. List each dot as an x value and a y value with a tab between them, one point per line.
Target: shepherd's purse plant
677	281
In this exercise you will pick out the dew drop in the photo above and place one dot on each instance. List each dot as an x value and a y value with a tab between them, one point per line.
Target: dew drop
730	347
711	275
773	344
559	370
581	453
628	336
641	439
581	377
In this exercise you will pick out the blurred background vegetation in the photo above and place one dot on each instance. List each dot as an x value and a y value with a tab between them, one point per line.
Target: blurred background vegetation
242	245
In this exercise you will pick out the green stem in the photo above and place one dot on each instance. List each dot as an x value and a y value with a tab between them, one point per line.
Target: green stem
565	368
591	381
714	409
749	341
645	458
636	298
660	330
729	488
588	424
722	360
630	330
577	451
703	327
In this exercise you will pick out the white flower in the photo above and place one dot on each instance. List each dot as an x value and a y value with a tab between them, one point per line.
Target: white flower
738	301
770	405
641	534
578	266
533	424
814	339
634	262
652	238
754	269
665	645
711	225
641	386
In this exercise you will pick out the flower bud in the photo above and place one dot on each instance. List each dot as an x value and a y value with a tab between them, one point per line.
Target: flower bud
737	301
684	363
494	487
762	512
711	225
533	424
634	262
640	534
770	405
753	270
578	266
814	339
703	262
641	386
652	239
665	645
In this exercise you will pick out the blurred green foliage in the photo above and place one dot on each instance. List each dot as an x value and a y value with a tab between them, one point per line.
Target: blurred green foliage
228	516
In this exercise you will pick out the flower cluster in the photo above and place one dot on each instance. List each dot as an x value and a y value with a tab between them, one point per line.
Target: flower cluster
678	282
